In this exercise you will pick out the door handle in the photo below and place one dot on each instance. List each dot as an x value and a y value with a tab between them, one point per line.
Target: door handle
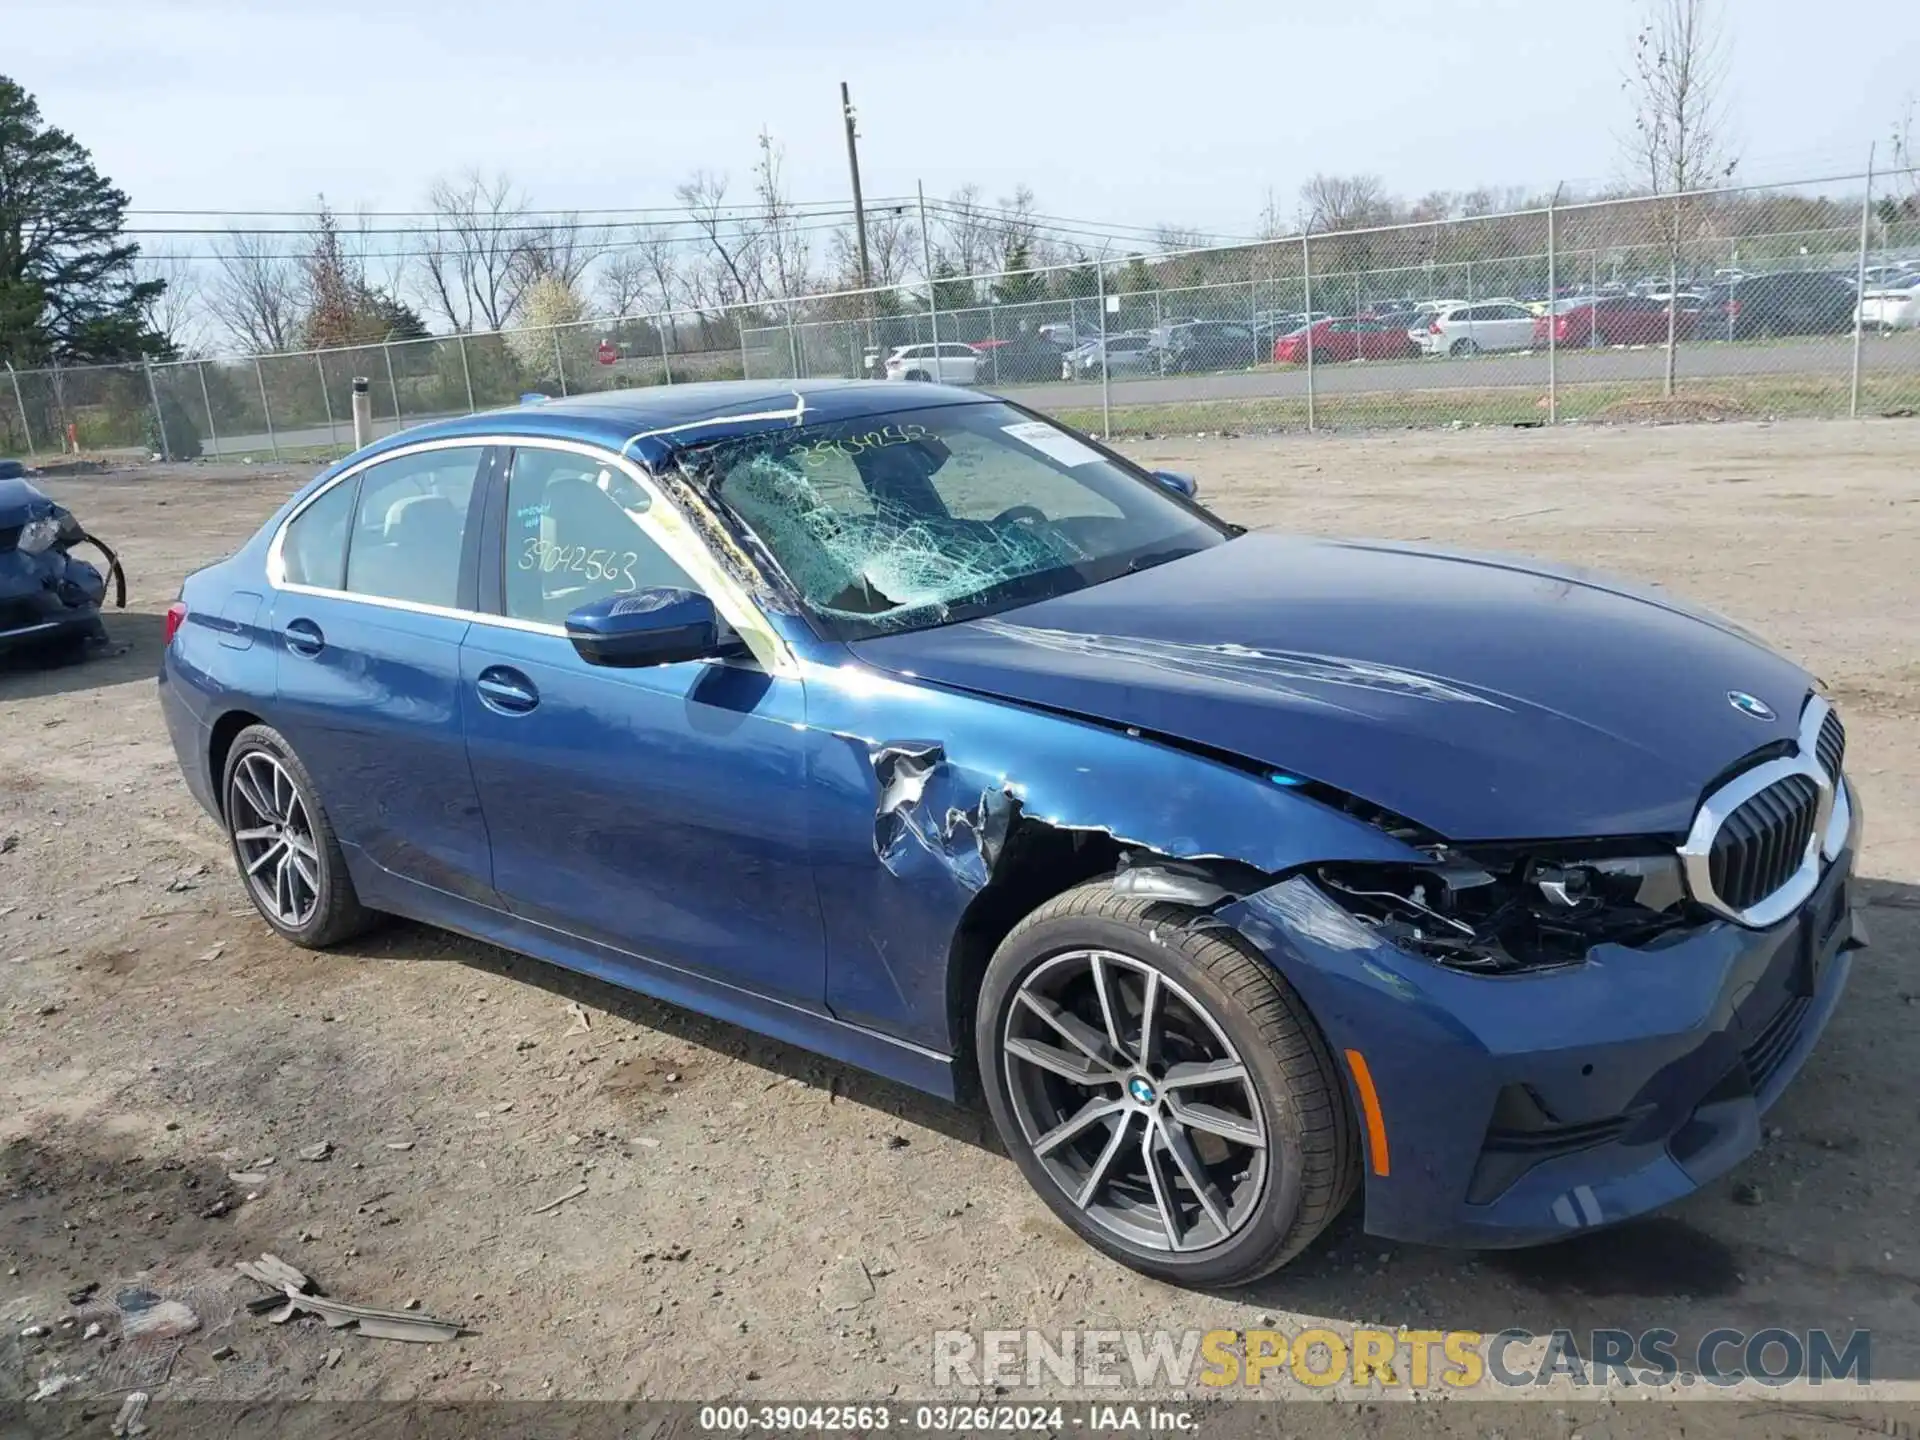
303	637
506	690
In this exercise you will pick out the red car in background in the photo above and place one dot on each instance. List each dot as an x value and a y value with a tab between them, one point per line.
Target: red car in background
1331	341
1615	320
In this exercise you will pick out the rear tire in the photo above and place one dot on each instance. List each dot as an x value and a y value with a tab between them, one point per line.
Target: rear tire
279	832
1124	1181
1463	349
918	375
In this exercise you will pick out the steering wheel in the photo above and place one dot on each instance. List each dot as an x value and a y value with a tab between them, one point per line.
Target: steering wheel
1031	513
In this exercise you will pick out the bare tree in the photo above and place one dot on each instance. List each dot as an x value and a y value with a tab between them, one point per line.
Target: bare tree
967	232
1170	237
893	246
1344	202
474	259
1016	233
787	248
562	249
175	311
733	244
1677	144
1906	165
258	292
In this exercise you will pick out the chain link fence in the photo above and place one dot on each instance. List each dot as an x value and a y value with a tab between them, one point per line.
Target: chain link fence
1723	304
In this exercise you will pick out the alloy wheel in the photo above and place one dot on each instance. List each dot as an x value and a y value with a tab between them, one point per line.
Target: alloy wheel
1134	1101
274	837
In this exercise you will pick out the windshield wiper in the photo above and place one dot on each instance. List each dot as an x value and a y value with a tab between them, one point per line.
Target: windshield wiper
1157	557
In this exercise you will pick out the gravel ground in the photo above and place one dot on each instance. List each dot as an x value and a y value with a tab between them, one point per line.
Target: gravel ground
759	1222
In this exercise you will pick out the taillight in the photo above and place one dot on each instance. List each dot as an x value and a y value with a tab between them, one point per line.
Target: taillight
1733	309
1433	326
176	617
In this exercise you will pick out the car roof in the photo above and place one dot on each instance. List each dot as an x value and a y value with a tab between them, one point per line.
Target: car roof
651	423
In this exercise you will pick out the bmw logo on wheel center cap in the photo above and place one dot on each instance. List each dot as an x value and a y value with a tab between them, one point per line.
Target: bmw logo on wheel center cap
1749	704
1141	1089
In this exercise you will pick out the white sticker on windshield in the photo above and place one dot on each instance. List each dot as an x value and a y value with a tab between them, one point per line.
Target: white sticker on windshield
1055	444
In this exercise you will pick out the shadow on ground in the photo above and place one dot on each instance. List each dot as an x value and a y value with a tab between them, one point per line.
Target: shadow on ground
132	652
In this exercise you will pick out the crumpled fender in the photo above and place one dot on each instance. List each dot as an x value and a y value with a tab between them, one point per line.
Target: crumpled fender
923	792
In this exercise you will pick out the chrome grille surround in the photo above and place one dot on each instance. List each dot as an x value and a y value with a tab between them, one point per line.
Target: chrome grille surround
1832	818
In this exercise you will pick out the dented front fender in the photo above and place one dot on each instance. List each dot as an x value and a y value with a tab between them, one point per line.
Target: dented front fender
918	792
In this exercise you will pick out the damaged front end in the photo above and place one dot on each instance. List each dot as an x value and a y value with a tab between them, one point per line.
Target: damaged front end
48	595
1518	908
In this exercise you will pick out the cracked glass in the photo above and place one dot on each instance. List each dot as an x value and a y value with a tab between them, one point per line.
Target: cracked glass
915	518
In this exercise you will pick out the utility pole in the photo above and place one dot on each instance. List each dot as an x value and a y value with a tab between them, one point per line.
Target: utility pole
853	168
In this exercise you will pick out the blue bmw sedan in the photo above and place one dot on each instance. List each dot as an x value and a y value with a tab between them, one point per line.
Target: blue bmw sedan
1239	873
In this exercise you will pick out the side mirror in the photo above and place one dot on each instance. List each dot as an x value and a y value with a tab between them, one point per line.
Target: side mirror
1178	482
649	627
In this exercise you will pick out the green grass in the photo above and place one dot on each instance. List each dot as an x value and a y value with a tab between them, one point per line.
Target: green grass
1626	401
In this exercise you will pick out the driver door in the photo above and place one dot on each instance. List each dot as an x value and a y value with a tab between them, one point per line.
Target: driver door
659	811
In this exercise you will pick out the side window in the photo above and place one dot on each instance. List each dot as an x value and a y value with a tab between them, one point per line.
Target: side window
314	549
411	525
572	540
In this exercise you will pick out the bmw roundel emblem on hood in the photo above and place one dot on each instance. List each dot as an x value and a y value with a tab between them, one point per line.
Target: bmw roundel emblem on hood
1749	704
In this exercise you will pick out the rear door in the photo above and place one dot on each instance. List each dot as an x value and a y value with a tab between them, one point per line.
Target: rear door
374	583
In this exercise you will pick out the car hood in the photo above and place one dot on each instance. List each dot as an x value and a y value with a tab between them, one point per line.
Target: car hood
1485	697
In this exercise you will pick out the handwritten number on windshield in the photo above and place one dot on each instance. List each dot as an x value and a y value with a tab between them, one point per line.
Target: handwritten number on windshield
823	452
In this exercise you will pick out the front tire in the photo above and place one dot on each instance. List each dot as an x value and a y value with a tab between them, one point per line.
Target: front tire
283	844
1163	1089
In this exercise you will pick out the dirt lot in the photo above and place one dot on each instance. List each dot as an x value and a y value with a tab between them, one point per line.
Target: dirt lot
757	1221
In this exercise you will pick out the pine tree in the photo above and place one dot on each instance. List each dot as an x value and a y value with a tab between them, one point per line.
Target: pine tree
68	289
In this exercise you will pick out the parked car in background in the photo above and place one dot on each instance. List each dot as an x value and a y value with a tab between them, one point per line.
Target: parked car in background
1066	336
1332	341
950	362
1117	354
1483	325
1209	345
1789	302
1896	276
1018	359
1613	320
1892	307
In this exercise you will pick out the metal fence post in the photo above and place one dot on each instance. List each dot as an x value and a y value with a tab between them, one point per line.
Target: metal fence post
1553	319
1253	305
393	389
666	361
933	294
1860	291
20	400
1306	295
466	372
266	410
206	398
793	343
1106	390
333	435
159	420
559	365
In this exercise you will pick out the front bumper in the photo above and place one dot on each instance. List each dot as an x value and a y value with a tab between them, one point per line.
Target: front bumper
47	596
1523	1109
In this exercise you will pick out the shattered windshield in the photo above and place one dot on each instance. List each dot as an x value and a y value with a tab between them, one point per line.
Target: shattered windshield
914	518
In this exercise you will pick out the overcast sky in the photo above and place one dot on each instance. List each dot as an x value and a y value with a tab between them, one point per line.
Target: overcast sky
1124	110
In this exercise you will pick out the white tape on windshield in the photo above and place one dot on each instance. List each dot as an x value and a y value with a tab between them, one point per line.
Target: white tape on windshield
1054	444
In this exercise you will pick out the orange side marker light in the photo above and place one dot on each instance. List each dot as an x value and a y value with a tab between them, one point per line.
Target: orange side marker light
1376	1126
